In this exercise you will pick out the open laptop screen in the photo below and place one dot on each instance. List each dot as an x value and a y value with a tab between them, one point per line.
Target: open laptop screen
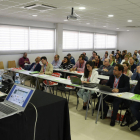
19	95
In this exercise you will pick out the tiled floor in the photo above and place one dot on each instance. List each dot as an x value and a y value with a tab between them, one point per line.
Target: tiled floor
82	129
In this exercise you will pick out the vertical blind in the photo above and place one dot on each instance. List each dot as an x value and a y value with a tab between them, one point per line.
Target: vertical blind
13	38
82	40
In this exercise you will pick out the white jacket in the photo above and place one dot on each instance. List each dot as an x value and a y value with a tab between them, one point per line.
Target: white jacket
93	78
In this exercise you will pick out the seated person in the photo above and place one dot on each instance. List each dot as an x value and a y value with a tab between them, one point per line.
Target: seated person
120	83
123	54
24	60
72	60
93	56
97	62
80	65
66	64
36	65
136	74
46	68
105	69
105	56
136	61
126	71
135	108
90	76
133	66
118	59
126	59
33	67
112	60
56	62
86	58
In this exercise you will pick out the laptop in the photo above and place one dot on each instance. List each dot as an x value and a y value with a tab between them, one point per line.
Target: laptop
16	100
104	88
77	80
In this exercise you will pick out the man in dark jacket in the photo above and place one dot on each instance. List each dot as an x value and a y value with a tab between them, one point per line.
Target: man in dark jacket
106	69
135	108
36	65
119	83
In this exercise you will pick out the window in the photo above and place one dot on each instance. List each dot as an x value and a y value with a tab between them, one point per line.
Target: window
85	40
70	40
104	41
41	39
13	38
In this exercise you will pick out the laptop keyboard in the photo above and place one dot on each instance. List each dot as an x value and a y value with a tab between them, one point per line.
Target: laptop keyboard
5	109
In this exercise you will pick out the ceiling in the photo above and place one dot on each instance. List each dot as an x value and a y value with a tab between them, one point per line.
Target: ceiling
96	12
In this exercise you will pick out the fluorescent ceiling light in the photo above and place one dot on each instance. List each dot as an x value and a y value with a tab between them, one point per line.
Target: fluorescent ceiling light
127	30
65	20
129	20
110	15
88	23
82	8
104	26
117	28
34	15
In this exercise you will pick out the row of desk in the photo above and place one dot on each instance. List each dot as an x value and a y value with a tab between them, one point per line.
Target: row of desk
124	95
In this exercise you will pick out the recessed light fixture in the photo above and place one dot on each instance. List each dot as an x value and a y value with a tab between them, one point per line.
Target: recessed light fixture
34	15
129	20
104	26
82	8
117	28
65	20
88	23
110	15
127	30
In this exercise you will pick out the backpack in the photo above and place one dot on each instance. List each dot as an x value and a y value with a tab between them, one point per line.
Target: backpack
128	118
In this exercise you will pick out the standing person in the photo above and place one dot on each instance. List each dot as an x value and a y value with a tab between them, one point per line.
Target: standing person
119	83
127	70
86	58
135	108
56	62
24	60
66	64
80	65
90	76
92	58
72	60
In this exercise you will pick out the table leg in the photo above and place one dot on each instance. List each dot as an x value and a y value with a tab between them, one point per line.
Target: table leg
88	104
98	108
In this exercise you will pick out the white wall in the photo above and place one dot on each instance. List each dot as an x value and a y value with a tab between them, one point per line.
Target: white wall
59	37
129	41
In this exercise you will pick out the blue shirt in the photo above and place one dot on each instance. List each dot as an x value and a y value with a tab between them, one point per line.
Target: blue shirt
57	64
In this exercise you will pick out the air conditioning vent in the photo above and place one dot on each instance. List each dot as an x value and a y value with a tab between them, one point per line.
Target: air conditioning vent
133	26
40	7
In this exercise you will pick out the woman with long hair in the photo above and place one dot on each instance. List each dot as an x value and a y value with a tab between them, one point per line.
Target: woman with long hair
90	76
112	60
66	64
118	58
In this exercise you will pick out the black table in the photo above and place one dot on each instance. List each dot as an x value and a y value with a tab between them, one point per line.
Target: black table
53	120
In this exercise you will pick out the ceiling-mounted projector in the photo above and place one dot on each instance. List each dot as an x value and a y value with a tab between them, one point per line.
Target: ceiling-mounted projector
72	16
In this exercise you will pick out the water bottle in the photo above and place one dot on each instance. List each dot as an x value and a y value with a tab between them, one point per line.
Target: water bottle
17	78
0	81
